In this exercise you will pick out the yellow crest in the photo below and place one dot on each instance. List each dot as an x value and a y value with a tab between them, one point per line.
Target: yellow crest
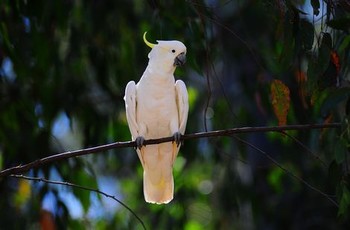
151	45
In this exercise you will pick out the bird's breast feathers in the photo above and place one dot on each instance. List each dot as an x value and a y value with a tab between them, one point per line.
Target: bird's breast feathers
156	108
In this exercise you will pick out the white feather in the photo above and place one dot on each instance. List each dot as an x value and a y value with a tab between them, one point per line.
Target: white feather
157	107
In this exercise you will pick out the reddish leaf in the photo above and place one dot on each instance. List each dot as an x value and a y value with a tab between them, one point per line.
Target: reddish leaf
280	100
47	220
335	61
330	78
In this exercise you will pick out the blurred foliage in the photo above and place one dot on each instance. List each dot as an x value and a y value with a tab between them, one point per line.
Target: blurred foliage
63	69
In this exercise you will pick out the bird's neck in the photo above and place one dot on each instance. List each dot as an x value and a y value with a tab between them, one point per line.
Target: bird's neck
157	78
157	75
161	67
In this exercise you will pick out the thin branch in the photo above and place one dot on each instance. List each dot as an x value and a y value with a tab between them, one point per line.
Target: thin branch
315	156
39	179
219	133
288	172
198	10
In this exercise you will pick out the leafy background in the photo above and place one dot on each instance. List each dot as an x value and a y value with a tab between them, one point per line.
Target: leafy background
63	69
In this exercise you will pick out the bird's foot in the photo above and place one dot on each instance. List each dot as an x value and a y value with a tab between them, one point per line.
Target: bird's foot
139	142
177	138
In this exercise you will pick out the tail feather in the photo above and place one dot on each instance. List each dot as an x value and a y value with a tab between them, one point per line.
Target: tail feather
158	182
161	193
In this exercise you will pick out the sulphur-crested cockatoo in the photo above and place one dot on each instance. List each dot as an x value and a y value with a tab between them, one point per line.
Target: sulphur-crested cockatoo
156	107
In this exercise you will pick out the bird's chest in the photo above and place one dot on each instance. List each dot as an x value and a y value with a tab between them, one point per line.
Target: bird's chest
157	102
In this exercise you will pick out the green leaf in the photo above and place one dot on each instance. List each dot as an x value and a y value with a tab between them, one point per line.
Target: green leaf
5	37
193	225
344	44
340	151
334	98
275	178
83	179
77	225
192	97
318	98
334	174
344	204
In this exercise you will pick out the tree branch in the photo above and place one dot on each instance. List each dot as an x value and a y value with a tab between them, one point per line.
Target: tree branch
289	173
219	133
39	179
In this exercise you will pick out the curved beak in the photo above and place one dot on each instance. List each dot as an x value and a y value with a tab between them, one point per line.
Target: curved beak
180	59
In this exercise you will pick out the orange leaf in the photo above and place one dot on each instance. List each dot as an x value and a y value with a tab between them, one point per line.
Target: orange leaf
335	60
280	101
47	220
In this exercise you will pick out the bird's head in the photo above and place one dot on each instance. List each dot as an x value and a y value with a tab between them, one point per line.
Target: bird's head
166	55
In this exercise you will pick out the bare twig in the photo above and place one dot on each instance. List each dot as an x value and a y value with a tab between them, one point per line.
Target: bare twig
228	132
198	10
39	179
288	172
305	147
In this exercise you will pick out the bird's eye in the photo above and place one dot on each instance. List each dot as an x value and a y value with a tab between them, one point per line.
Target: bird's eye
173	51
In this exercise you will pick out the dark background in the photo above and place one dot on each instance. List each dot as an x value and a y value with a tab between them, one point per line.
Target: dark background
63	69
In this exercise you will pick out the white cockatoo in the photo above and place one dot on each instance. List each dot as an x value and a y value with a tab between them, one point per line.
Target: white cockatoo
156	107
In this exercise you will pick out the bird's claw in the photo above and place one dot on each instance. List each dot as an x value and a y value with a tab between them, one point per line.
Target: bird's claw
139	142
177	138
